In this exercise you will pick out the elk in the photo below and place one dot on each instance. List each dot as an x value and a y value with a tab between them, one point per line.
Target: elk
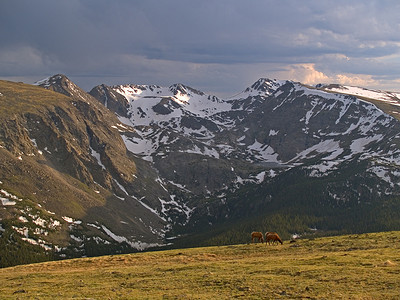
257	235
272	237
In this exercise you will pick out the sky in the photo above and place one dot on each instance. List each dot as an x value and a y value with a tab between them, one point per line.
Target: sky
216	46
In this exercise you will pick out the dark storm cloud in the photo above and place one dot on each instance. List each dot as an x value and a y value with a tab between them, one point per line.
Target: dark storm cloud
214	45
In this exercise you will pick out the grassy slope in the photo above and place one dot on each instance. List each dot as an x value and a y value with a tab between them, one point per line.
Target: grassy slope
363	266
20	97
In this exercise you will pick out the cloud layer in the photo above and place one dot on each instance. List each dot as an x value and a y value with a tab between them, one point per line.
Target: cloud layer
216	46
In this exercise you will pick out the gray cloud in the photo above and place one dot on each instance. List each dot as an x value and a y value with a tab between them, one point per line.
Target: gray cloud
217	46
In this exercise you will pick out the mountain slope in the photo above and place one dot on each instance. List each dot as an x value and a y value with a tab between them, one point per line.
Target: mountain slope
229	158
285	125
131	167
63	158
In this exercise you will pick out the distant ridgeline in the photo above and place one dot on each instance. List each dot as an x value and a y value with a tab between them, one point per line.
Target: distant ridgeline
136	167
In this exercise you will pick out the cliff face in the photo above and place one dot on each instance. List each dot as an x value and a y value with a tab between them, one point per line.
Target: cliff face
110	99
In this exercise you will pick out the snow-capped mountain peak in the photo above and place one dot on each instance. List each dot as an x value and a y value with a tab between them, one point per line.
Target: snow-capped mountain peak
46	82
152	104
265	85
184	90
262	87
276	124
133	92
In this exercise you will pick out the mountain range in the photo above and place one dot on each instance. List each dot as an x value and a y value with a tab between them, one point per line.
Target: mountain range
132	167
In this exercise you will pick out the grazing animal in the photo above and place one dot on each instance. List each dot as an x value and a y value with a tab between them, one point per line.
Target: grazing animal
258	236
267	241
272	237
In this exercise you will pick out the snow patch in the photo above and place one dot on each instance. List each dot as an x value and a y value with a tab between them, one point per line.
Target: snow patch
388	97
328	146
96	155
121	239
263	152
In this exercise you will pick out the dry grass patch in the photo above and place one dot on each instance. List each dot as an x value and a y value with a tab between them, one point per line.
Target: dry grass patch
19	97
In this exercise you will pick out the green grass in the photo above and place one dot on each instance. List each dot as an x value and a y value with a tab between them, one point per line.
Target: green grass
363	266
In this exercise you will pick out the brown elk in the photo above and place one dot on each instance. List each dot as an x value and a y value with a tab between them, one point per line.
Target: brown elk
272	237
258	236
